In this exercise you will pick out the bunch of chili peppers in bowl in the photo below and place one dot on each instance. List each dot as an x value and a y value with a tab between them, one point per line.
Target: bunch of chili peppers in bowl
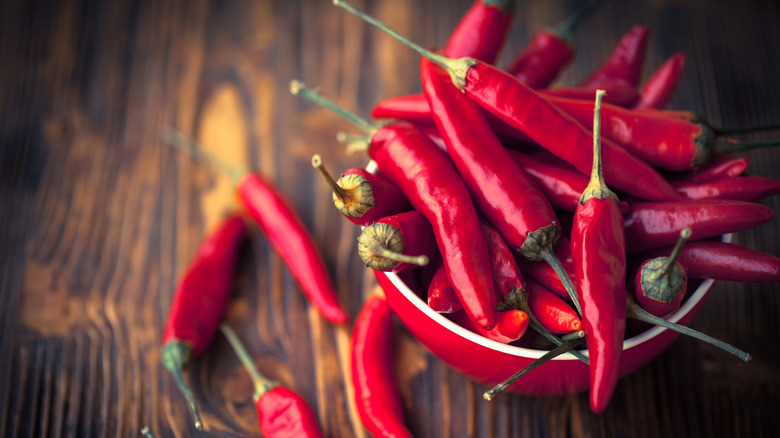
568	232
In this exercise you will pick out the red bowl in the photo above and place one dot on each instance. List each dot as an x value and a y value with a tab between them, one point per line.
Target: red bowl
491	362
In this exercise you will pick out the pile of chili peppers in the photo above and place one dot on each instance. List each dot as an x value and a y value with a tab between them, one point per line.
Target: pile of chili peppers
519	220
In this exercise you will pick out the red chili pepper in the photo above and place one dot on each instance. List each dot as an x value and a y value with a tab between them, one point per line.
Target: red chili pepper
740	188
599	250
280	411
553	313
426	176
522	108
660	283
542	272
281	225
482	31
625	62
200	301
659	88
441	295
361	196
519	211
721	167
619	93
562	186
510	325
723	261
376	389
651	225
398	243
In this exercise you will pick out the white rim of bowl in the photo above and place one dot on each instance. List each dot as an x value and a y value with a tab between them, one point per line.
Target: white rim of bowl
513	350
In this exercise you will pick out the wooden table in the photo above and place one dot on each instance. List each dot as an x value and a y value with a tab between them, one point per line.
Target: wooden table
98	218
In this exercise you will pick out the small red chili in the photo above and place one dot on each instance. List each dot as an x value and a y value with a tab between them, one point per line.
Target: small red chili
721	167
482	30
659	88
651	225
280	411
377	396
660	283
426	176
553	313
625	62
510	325
441	295
740	188
200	301
599	251
398	243
723	261
282	227
361	196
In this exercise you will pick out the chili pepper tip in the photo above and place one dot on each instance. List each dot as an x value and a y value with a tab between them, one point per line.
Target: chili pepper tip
174	356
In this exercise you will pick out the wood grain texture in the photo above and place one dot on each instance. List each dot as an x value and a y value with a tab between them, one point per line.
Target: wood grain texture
98	218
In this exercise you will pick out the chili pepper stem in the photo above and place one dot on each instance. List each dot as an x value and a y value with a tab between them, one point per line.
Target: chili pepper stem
548	255
724	145
146	433
745	129
565	29
596	187
457	68
634	311
379	250
175	355
316	162
557	351
261	383
189	146
300	89
685	234
354	142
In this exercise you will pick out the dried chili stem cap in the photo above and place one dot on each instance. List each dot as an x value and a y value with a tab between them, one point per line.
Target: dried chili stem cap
353	195
381	247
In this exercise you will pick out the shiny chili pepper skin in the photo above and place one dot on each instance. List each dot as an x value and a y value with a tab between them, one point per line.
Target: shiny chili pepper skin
658	90
506	275
651	225
542	60
618	93
625	62
510	325
441	295
291	240
284	413
377	394
740	188
408	234
200	300
552	312
721	167
425	174
562	187
557	132
723	261
482	30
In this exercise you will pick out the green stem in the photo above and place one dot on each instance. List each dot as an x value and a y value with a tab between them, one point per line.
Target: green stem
549	256
685	234
565	29
175	355
189	146
746	129
146	432
634	311
557	351
261	383
338	191
300	89
724	145
457	68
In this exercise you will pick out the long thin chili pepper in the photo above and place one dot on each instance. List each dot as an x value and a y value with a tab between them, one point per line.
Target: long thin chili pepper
723	261
740	188
363	197
376	389
658	90
482	30
625	62
510	325
426	176
599	250
651	225
281	225
619	93
562	187
660	283
519	210
721	167
200	301
280	411
397	243
522	108
553	313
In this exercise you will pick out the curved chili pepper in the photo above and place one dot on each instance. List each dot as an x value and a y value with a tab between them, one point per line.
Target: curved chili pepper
660	283
651	225
599	250
625	62
553	313
518	210
280	411
376	389
510	325
200	301
723	261
398	243
522	108
658	90
363	197
721	167
740	188
482	30
281	225
426	176
441	296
